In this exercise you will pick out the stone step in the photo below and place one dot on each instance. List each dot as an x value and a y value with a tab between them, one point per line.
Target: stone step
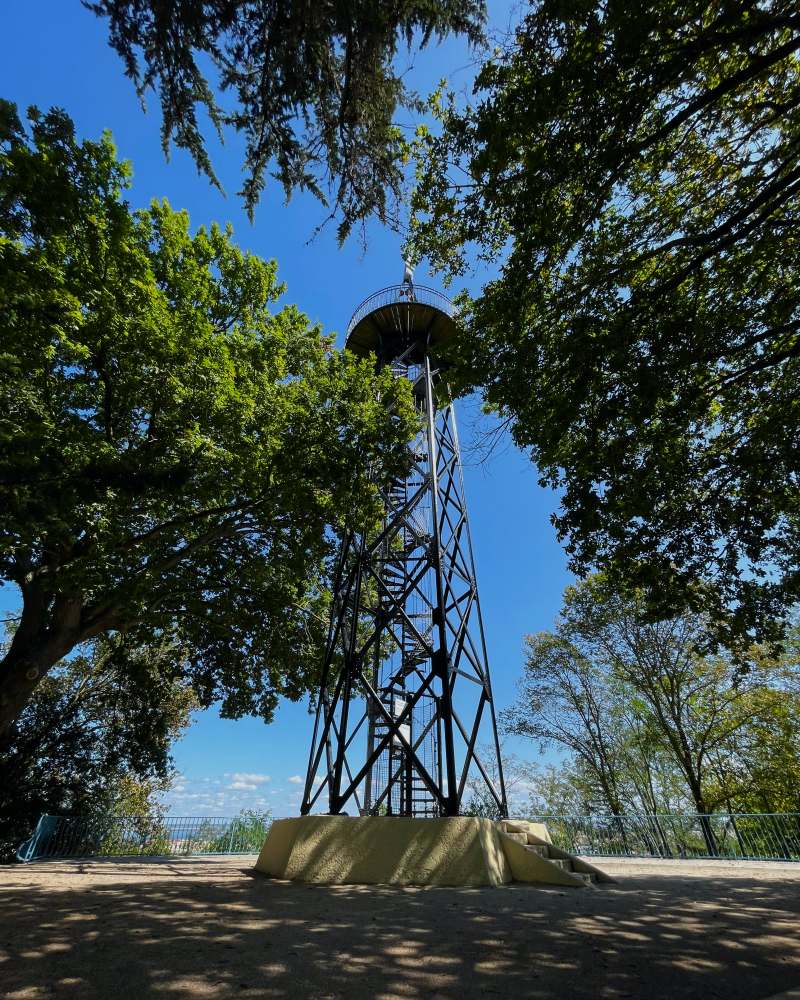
565	864
518	830
541	849
513	826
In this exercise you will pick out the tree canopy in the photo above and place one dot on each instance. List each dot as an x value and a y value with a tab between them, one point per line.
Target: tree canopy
95	737
650	725
176	450
315	86
634	170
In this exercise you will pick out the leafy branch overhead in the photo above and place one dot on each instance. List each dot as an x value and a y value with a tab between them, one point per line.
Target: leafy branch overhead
177	447
635	171
315	86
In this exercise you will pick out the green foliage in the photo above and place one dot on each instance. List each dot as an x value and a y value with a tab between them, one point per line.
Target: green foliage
530	788
315	86
246	833
559	790
481	803
651	726
635	169
141	828
94	739
176	451
130	821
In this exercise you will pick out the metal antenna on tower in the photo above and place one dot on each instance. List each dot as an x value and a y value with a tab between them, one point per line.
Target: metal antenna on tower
405	705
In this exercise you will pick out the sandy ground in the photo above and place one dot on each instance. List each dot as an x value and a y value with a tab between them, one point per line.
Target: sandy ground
214	928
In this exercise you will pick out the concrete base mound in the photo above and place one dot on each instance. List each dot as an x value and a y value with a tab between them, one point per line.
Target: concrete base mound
394	850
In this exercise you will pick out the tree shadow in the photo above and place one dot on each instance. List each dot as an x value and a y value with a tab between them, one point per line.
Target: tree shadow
212	928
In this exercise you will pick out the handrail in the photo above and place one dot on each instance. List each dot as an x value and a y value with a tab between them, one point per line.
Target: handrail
106	835
750	836
398	294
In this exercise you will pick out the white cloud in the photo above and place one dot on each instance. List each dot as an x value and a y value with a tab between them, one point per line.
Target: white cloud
296	779
229	794
246	782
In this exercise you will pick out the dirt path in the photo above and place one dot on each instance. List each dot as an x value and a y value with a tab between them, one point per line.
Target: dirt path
212	928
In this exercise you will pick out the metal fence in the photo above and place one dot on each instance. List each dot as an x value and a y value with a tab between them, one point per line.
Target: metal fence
152	836
751	836
744	836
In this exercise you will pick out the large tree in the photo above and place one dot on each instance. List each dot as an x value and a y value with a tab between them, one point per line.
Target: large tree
626	697
174	450
565	699
97	731
634	168
314	86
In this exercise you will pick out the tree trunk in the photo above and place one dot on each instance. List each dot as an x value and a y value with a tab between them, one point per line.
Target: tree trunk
705	822
50	627
694	781
661	837
620	825
615	806
708	836
20	673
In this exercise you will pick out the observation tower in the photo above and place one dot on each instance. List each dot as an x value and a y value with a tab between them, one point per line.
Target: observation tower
405	722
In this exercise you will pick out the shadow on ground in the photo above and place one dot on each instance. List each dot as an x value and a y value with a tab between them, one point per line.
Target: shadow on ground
211	928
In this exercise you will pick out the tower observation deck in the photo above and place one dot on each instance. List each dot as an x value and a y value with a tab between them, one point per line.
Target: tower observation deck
388	322
405	720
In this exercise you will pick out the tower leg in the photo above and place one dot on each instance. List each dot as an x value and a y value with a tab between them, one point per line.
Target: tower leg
406	703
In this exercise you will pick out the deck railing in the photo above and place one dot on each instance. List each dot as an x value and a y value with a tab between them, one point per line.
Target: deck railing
743	836
751	836
152	836
397	295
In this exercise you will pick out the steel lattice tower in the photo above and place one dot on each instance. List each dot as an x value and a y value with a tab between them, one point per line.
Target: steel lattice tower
405	705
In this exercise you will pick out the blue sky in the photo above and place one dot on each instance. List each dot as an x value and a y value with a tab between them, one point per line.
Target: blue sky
54	52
